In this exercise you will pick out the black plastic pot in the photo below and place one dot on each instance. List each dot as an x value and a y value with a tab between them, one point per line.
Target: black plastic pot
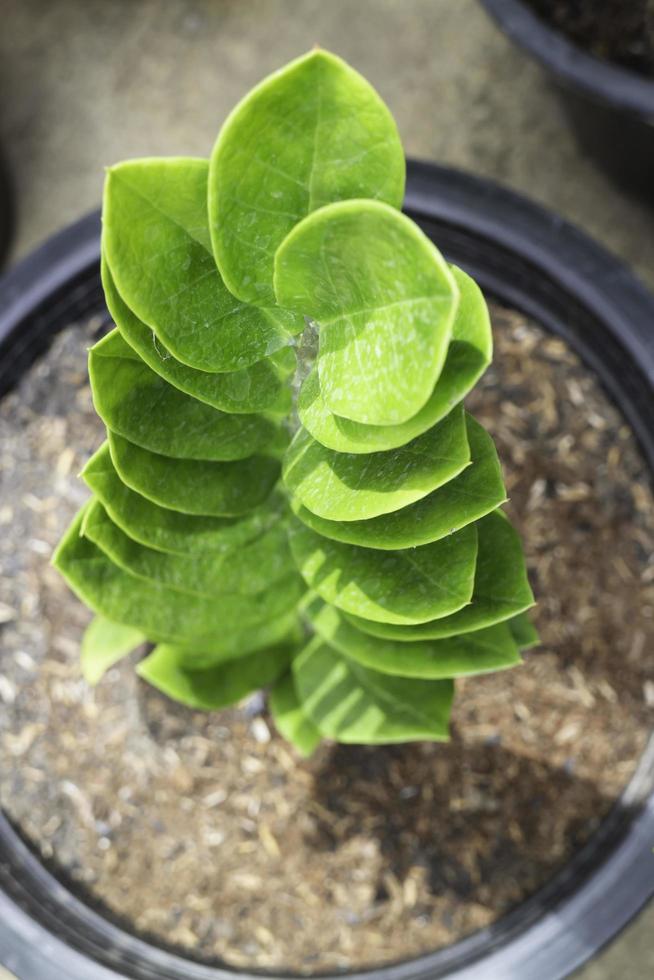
534	262
611	108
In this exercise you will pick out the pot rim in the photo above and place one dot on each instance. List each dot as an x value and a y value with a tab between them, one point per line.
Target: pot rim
622	89
534	261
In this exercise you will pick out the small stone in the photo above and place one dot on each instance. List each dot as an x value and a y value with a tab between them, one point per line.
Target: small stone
7	614
260	731
7	690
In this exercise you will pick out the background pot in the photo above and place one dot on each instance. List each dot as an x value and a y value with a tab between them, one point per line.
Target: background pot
611	108
530	260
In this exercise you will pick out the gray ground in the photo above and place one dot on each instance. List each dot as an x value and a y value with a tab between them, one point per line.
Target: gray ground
88	82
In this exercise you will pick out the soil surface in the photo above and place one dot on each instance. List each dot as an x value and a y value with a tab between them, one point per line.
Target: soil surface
621	31
206	832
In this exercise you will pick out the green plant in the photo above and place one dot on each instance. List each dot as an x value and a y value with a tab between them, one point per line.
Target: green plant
388	506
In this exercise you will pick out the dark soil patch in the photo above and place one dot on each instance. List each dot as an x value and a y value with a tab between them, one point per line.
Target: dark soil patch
620	31
207	832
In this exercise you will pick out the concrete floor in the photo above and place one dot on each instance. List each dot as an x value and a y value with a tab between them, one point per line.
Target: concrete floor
88	82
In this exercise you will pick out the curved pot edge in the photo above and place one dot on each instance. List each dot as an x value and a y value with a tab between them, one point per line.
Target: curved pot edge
577	265
43	272
620	88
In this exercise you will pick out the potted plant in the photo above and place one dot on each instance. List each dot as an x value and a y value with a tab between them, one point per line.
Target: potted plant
148	505
602	58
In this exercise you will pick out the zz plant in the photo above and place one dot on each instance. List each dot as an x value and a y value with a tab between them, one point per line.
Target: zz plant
360	565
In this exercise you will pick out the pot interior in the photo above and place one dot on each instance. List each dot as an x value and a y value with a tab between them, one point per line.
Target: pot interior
204	833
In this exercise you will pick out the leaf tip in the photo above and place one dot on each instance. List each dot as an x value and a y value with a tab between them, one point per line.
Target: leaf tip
55	557
91	677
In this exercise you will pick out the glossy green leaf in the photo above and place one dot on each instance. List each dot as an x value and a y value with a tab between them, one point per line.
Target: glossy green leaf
404	587
253	568
160	612
212	688
353	703
467	357
501	589
105	643
385	302
193	486
169	530
239	643
478	490
135	402
290	720
312	133
473	653
352	487
523	631
156	241
258	388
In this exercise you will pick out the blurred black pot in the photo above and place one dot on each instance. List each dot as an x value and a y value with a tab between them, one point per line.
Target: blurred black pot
532	261
611	108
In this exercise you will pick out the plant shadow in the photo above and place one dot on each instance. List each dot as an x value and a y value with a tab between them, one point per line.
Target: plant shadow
478	823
